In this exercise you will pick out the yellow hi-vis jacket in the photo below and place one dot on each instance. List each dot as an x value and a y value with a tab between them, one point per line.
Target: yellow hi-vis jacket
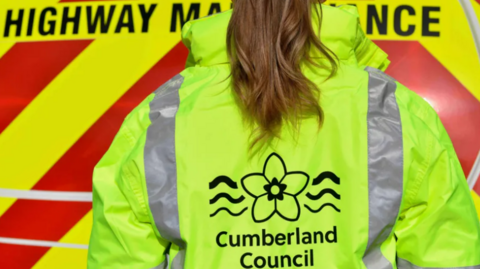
378	187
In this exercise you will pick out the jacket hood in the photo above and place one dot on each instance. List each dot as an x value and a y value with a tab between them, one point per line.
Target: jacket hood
341	32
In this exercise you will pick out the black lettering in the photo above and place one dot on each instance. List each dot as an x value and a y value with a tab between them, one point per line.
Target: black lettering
280	239
297	232
427	20
306	258
397	20
218	239
289	260
242	259
146	16
262	259
320	235
332	233
126	11
214	8
295	260
311	257
31	19
307	238
99	18
381	23
232	244
270	265
266	236
9	22
75	20
51	23
178	14
251	237
289	239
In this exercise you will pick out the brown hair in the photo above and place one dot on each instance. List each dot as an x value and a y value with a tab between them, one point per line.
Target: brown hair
267	42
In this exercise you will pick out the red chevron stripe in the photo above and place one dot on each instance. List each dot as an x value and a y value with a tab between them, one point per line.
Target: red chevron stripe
424	74
20	257
73	171
41	220
27	68
51	220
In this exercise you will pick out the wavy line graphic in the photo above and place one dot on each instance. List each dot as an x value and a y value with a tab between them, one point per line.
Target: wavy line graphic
229	212
322	193
228	197
326	175
223	179
320	209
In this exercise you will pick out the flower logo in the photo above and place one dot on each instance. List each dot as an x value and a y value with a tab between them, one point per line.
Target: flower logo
275	190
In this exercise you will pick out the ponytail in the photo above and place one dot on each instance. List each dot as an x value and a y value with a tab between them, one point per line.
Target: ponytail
267	41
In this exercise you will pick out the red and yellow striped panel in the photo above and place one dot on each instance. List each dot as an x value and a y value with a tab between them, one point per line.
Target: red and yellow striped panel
64	95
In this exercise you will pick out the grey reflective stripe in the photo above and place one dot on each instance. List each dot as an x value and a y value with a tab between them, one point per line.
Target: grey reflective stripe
39	243
385	165
163	265
404	264
179	260
160	160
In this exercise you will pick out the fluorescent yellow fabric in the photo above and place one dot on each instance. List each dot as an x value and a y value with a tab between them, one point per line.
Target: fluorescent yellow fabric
320	216
122	234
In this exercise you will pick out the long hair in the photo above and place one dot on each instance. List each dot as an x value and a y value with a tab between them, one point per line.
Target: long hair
267	42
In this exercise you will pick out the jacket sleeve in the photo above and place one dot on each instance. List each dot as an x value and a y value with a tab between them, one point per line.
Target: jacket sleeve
439	227
123	235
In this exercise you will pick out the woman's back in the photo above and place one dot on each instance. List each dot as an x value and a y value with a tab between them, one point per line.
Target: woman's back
378	186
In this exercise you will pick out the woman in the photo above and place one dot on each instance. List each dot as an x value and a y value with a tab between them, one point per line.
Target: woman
280	148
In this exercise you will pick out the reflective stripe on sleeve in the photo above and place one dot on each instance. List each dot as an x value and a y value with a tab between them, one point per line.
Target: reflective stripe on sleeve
163	265
160	161
179	260
385	165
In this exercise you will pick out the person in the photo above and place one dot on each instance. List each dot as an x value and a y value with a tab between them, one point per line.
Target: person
282	145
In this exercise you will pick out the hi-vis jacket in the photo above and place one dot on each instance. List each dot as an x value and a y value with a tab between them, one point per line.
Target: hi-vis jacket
378	187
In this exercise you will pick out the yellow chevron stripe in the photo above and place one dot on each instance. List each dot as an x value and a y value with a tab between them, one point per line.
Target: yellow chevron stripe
476	201
26	3
72	102
5	47
80	233
69	258
5	204
458	56
454	48
63	258
476	7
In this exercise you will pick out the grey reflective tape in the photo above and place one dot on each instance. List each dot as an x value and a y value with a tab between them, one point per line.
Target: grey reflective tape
40	243
385	165
404	264
376	260
47	195
160	161
163	265
179	260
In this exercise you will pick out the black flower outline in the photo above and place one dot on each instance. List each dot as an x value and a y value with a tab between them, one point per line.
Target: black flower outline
259	186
